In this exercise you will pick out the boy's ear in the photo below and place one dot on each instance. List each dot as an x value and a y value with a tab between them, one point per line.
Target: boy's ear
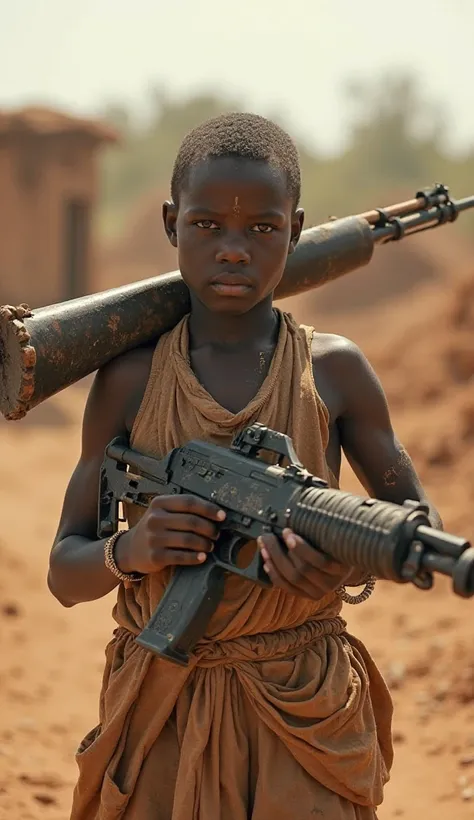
170	215
296	228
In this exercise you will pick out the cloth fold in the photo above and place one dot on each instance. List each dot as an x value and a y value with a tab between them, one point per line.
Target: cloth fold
281	713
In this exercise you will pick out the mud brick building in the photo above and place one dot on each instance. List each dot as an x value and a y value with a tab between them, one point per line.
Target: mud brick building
48	192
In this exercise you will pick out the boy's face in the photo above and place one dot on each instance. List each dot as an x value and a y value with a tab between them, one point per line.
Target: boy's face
234	229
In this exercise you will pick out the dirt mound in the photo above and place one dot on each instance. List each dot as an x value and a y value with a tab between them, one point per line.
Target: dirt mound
393	270
429	380
143	242
142	250
396	270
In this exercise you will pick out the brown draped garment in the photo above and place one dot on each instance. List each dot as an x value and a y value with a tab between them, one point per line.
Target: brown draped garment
281	713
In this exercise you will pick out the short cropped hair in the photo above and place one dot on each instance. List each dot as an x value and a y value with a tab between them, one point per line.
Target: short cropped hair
238	135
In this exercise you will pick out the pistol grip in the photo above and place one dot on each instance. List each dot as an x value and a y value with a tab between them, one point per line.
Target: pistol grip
183	613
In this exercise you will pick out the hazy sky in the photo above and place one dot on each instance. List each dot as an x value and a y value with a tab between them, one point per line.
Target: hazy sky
275	55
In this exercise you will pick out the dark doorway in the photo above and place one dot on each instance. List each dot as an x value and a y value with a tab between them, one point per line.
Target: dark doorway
76	248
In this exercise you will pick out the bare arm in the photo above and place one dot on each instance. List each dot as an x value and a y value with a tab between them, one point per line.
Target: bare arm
370	444
173	530
358	408
77	571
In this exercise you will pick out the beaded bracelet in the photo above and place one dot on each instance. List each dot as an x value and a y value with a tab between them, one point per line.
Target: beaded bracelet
109	547
362	596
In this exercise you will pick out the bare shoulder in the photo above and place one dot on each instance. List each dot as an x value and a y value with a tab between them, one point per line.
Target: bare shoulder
341	372
332	347
339	356
130	368
118	390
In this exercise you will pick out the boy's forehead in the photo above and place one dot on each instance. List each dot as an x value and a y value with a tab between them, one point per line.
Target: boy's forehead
236	180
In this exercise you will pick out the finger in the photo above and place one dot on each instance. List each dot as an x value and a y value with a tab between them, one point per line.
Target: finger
267	544
273	551
281	582
303	552
320	571
172	539
186	503
183	558
183	522
280	564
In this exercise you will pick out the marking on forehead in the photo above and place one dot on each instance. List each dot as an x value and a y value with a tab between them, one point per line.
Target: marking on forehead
236	208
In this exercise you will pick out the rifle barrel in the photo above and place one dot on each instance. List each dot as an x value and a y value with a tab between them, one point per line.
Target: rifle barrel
464	204
399	226
411	206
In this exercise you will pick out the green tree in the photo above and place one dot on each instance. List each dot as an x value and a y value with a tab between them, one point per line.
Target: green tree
396	145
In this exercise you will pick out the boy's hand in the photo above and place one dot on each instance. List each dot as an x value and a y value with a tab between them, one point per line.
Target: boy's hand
302	570
175	529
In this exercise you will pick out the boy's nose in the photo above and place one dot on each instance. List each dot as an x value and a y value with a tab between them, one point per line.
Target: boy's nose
233	253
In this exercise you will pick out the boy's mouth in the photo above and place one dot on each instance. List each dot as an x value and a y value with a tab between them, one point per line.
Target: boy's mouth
231	284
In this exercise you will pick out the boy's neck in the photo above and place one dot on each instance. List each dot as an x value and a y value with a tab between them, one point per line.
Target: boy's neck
223	331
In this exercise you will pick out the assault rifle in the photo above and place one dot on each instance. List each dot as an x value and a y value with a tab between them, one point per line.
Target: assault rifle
389	541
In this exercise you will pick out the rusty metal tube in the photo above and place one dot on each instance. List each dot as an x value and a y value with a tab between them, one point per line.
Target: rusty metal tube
46	350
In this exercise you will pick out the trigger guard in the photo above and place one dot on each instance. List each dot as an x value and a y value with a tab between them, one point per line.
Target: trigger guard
226	554
226	546
235	546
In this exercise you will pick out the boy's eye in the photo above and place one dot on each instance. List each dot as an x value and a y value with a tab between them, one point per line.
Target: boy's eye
209	224
262	228
206	223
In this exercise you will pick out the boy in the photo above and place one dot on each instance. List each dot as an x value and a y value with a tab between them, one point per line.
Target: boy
281	713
